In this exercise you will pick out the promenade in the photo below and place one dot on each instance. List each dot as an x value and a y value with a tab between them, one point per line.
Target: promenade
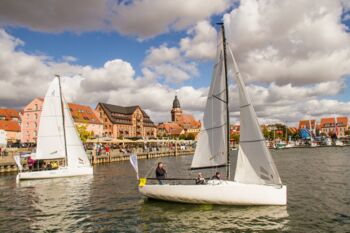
7	163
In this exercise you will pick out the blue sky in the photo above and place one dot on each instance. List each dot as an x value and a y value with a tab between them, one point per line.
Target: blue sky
172	47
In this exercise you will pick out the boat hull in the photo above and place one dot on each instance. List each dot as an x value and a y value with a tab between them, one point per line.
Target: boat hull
223	193
58	173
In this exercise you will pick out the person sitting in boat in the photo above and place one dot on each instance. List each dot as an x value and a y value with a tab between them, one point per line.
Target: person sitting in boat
54	165
160	173
48	166
200	179
30	163
217	176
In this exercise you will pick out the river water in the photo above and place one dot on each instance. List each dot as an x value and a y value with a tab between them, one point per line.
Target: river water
318	183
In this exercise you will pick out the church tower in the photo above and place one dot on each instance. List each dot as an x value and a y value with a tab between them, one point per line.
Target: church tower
176	112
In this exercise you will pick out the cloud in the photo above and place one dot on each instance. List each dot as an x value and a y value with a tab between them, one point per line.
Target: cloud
141	18
26	76
69	59
56	16
113	75
149	18
169	64
298	42
201	43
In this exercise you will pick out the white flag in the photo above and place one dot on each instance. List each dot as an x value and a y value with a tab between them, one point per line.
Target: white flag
133	161
18	162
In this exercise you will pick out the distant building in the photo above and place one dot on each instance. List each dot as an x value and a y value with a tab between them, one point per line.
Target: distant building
334	125
308	124
170	129
84	115
8	114
119	121
31	118
181	124
9	122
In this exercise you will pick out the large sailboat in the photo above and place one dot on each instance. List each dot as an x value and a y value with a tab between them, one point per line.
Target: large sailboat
256	179
58	139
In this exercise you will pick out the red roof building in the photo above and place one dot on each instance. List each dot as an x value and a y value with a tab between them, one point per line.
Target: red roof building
331	125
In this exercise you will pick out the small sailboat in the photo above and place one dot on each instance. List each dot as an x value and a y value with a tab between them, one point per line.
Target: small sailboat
58	139
256	179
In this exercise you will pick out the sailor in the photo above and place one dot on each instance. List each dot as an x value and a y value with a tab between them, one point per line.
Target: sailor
160	173
200	179
217	176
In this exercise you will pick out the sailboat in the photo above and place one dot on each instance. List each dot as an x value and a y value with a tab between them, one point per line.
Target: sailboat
256	179
58	139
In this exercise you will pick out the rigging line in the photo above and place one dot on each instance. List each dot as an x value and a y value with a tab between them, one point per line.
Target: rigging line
259	140
216	127
244	106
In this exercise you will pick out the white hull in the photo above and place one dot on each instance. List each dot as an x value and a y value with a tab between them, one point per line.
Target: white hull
58	173
224	193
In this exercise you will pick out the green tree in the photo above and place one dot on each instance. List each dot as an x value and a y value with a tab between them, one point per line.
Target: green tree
235	137
84	133
190	136
182	137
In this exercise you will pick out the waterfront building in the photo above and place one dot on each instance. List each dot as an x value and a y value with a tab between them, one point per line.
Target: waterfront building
180	124
10	123
81	114
125	122
308	124
334	125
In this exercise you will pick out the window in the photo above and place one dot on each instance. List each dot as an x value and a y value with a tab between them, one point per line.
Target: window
36	106
35	133
36	125
36	116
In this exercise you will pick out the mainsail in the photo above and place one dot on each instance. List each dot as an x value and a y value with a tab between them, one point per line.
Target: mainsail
211	150
50	136
254	162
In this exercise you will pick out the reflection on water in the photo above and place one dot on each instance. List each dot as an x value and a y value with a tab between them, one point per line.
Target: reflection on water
57	204
318	200
211	217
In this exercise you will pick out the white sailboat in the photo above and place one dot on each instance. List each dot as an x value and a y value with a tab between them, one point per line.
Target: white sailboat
256	180
58	139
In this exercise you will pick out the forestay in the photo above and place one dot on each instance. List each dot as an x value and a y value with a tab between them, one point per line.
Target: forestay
75	149
50	136
254	162
211	150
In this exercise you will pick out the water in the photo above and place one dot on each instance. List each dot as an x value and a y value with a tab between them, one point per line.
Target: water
318	200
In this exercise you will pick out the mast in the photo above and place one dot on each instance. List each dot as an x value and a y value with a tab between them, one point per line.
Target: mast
63	121
227	102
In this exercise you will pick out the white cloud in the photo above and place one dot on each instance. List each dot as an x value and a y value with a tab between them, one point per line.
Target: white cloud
202	41
141	18
69	59
298	42
149	18
169	64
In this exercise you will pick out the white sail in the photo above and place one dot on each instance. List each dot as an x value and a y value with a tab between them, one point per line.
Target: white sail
50	142
211	149
75	150
254	163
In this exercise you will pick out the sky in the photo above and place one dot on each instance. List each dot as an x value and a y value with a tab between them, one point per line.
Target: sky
294	55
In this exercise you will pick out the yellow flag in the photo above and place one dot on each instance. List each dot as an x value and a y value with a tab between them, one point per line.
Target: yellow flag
143	182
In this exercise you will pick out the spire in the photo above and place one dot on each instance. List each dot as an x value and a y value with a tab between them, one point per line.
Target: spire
176	102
